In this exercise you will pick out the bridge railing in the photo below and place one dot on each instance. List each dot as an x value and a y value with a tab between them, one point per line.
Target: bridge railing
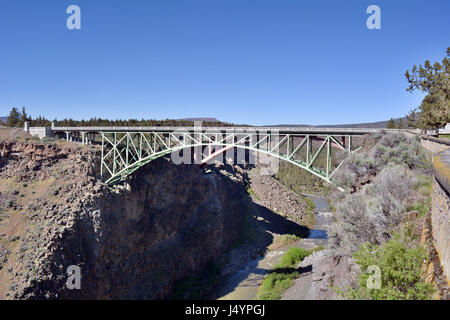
235	129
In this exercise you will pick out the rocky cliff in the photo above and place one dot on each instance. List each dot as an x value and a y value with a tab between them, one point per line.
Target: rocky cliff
130	243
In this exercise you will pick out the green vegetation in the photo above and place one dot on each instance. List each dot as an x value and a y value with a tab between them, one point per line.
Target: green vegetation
310	219
300	180
377	223
297	179
393	148
399	124
402	274
444	136
422	207
310	206
17	119
400	183
283	274
283	240
433	79
391	124
252	193
14	118
424	187
289	238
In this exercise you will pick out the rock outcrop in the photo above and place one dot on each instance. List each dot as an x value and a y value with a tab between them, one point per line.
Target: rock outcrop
130	243
323	275
270	193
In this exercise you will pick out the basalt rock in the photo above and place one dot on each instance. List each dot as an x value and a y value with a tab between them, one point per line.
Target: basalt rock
129	243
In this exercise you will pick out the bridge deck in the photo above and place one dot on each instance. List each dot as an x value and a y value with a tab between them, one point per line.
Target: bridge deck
281	130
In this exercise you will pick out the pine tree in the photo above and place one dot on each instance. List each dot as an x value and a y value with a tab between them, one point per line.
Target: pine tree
391	124
23	116
433	79
412	118
13	118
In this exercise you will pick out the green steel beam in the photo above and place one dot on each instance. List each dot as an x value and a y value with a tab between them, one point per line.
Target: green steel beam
140	148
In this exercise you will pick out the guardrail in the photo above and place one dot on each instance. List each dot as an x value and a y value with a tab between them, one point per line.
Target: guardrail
441	141
441	168
229	129
440	203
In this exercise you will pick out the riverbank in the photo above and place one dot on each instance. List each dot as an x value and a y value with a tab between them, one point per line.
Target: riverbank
244	284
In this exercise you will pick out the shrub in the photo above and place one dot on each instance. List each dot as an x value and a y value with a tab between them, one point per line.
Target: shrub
402	274
371	214
310	206
287	238
392	148
345	177
293	256
252	193
10	203
283	274
298	179
399	149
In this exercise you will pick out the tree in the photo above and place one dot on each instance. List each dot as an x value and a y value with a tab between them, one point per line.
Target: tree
391	124
400	124
412	118
433	79
23	117
13	118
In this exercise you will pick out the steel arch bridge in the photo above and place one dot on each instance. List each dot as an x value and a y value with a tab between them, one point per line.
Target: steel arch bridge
126	149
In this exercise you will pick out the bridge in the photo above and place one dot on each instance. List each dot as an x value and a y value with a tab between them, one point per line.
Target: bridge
126	149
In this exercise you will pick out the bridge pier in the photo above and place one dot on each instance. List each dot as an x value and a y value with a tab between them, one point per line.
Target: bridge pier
86	138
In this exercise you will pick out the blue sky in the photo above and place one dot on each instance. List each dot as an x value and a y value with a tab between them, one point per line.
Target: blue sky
244	61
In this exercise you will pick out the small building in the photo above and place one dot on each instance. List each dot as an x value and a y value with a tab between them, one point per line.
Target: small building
40	132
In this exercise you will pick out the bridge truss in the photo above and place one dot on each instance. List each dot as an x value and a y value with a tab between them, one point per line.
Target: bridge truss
124	152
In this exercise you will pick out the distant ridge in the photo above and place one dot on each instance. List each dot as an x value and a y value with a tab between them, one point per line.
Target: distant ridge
200	119
374	125
3	119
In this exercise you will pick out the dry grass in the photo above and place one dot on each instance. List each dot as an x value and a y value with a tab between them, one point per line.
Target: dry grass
282	240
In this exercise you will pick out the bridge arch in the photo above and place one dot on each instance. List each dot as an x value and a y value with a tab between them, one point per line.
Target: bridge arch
126	154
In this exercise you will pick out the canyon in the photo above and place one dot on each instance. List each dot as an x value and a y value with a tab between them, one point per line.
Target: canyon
133	242
170	232
129	243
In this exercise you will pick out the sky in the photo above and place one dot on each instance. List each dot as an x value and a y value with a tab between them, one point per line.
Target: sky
257	62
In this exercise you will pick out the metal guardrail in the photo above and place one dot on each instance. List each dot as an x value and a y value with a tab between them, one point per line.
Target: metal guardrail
441	141
229	129
441	168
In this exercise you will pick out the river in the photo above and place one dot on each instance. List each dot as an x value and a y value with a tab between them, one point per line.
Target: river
244	284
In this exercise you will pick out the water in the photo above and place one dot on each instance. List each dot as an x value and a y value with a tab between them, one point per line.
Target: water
244	284
322	216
